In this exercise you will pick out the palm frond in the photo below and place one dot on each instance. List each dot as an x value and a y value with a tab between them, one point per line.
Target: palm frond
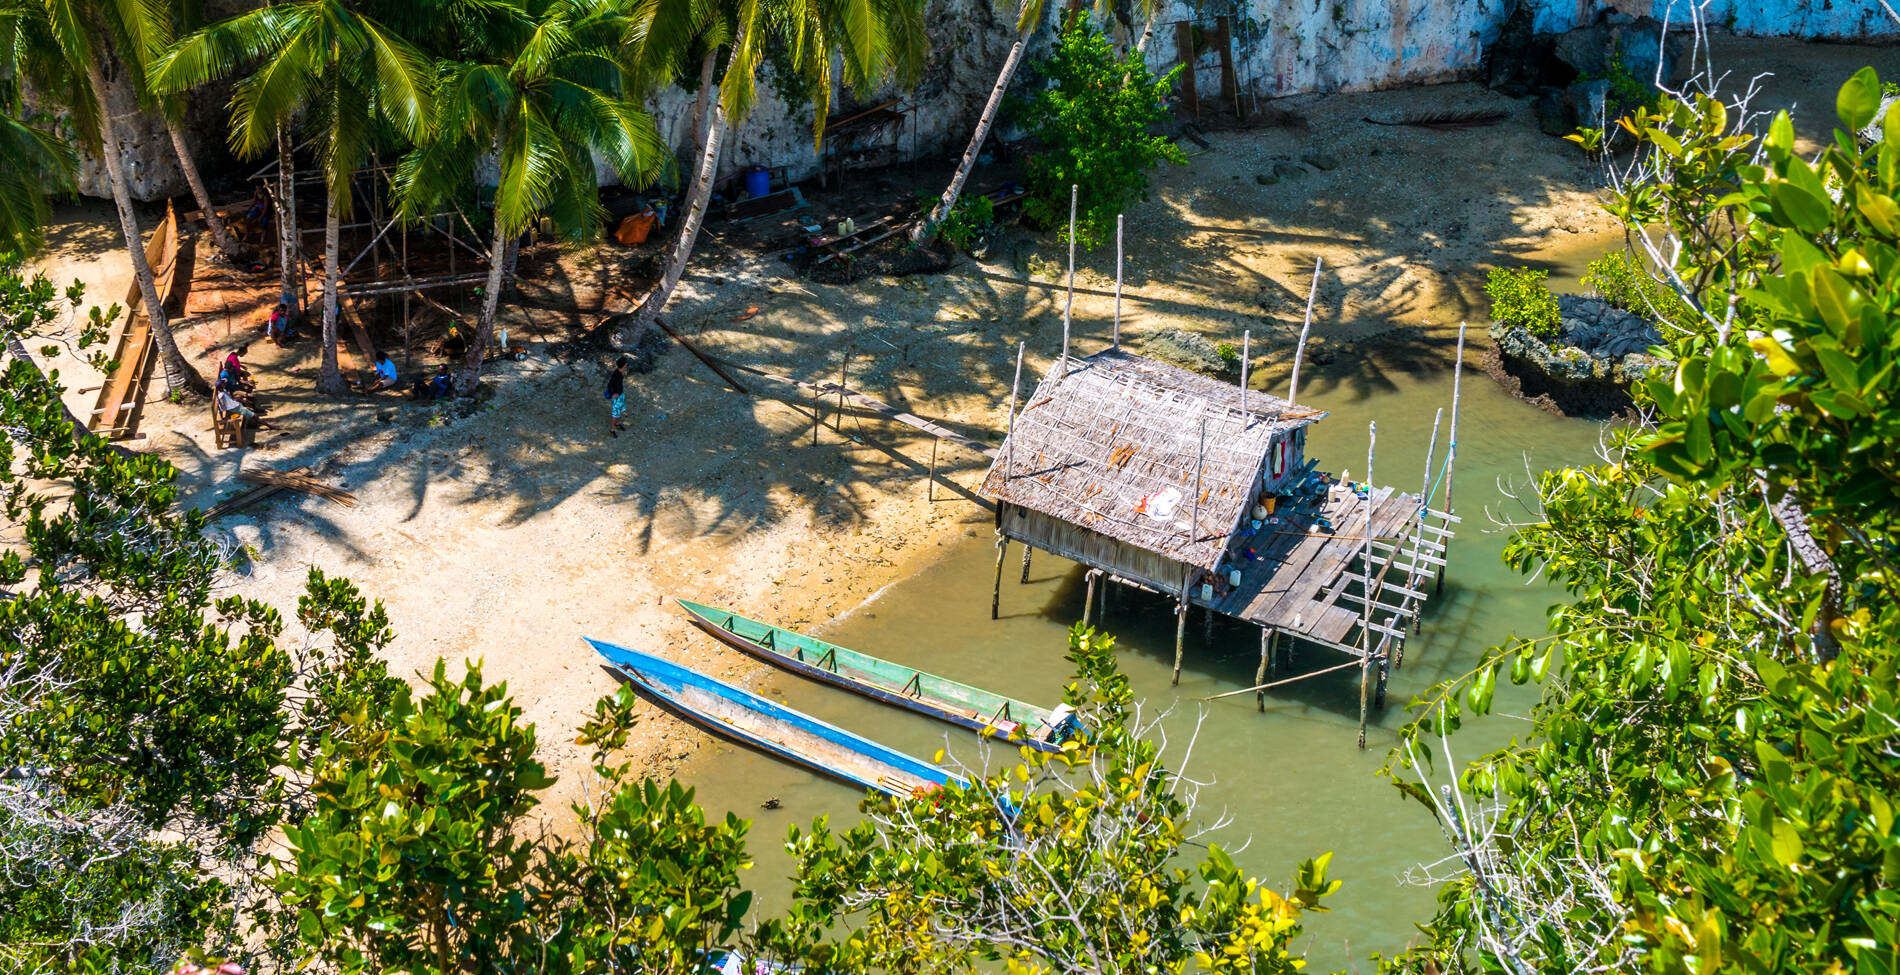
33	164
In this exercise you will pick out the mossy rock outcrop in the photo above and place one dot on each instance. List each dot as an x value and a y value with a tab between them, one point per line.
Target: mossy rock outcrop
1587	368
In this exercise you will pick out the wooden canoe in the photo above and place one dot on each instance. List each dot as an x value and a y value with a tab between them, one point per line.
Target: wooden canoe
745	717
882	680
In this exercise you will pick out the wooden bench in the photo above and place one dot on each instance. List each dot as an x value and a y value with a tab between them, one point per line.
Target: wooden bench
227	429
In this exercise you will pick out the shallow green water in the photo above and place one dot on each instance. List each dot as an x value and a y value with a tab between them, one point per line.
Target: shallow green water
1291	779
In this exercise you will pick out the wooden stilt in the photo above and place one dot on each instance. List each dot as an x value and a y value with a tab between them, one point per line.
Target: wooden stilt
1026	550
1265	669
1451	446
1180	635
1118	281
1069	304
1246	357
996	591
1418	539
1365	677
930	492
1385	662
1088	601
1365	588
1299	348
1101	609
817	414
844	375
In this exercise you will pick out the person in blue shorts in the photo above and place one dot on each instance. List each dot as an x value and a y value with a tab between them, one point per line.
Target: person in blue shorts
617	398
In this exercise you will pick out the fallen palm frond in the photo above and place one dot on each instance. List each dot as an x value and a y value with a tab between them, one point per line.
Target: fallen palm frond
1446	120
297	481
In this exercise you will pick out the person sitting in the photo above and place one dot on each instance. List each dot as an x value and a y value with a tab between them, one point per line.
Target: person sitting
234	365
440	386
384	376
278	328
230	407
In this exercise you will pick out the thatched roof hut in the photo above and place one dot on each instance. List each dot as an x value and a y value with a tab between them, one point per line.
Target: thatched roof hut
1154	464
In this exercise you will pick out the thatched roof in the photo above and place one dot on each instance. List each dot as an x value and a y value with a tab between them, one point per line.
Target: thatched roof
1112	446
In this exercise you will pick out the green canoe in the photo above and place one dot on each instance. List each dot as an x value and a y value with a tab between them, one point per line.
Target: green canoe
891	683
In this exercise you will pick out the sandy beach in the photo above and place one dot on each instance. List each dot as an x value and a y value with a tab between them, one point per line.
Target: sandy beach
509	533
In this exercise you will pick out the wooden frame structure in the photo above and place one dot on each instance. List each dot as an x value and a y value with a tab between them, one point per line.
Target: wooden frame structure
1155	477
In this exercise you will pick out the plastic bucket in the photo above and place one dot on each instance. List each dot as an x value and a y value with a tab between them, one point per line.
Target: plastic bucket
758	182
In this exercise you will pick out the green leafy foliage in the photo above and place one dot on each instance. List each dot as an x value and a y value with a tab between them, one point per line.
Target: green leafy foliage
1709	780
1095	133
1627	92
973	218
1071	862
1520	297
144	724
1619	280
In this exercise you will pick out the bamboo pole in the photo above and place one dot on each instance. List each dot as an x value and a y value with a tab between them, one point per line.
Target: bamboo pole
1299	349
1069	305
930	489
1451	445
1002	549
1279	683
1418	538
1009	422
1088	600
844	373
1246	357
1180	625
1365	618
1266	667
1118	281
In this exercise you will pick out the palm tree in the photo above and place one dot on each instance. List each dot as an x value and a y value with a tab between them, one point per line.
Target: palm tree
544	99
339	64
33	163
867	39
63	47
1028	18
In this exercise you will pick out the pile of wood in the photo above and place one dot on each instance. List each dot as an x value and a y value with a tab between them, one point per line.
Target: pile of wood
270	482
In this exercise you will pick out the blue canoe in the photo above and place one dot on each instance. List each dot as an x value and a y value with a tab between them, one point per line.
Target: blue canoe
749	719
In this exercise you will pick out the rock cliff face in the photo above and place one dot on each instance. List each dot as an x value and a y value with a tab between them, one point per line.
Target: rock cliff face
1280	47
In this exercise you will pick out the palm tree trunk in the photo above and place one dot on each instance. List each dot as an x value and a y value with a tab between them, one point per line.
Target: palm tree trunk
179	375
706	65
214	221
289	251
329	377
689	230
498	260
1147	34
927	229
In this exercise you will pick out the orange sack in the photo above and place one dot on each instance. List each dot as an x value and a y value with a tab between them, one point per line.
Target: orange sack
633	231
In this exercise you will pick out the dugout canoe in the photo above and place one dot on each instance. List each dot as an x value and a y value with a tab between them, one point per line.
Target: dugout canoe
745	717
891	683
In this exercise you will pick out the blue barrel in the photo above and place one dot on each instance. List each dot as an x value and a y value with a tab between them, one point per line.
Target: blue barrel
758	182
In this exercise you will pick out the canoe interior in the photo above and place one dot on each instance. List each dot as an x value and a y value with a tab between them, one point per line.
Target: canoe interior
972	702
748	717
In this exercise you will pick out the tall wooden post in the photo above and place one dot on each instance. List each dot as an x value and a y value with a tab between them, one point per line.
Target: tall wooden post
1069	305
1002	548
844	381
1365	592
1265	669
1118	281
1027	549
930	490
1184	44
1180	624
1246	358
1229	81
1451	446
1418	537
1299	348
1088	600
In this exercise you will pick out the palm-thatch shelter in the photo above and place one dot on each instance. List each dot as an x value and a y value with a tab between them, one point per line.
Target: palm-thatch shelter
1169	481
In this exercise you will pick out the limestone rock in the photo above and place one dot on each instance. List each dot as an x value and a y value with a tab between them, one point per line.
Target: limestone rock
1185	349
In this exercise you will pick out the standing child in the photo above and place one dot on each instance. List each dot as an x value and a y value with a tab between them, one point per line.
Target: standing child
617	397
